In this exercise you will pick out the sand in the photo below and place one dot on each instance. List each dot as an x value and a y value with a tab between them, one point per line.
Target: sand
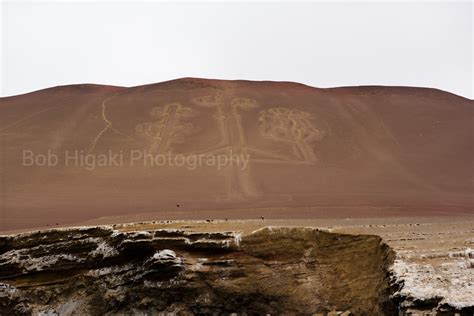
300	153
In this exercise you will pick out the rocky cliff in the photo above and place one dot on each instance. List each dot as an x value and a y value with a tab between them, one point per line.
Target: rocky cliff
152	269
105	271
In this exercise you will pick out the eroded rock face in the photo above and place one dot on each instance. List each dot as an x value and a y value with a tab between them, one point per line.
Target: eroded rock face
101	271
433	283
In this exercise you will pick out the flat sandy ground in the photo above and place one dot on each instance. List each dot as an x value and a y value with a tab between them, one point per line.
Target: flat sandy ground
385	227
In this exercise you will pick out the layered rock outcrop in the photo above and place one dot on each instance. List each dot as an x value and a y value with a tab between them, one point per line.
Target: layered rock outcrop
152	269
102	270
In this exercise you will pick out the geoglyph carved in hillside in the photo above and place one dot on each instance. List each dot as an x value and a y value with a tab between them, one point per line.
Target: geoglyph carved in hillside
170	126
293	127
233	140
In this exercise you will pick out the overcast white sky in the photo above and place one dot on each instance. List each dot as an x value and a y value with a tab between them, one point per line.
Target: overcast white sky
322	44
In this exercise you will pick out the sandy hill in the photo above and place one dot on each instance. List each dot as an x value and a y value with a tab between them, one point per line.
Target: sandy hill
340	152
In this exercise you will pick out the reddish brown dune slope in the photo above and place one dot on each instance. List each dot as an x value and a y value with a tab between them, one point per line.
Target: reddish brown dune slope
357	151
